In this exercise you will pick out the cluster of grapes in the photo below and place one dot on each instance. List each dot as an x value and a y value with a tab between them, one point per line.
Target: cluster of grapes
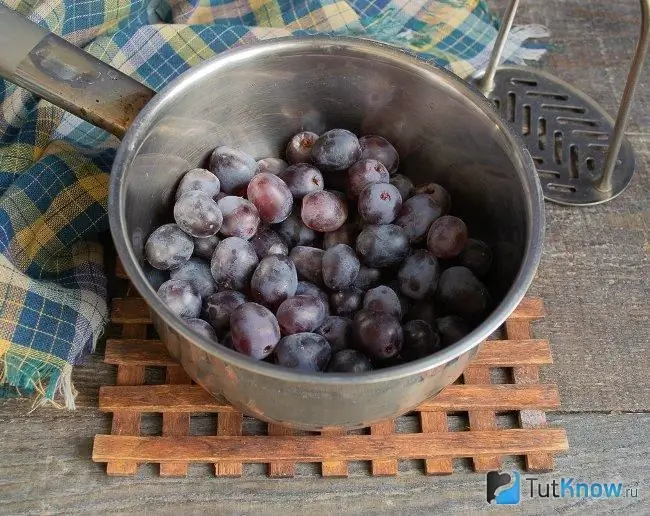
263	259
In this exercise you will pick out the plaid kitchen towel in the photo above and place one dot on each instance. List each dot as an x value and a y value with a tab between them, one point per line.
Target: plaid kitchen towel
54	167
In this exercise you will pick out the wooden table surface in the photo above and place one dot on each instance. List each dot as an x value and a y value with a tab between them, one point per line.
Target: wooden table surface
594	277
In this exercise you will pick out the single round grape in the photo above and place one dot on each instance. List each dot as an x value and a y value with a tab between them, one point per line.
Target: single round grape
338	332
439	195
416	216
302	179
403	184
377	334
309	263
383	299
452	328
267	242
324	211
254	330
418	276
181	298
336	150
199	179
271	197
346	302
294	232
367	278
307	352
233	263
197	272
379	203
202	328
382	246
476	256
168	247
462	293
340	267
305	288
447	237
204	247
377	147
424	311
349	361
346	234
420	340
300	314
298	149
218	307
363	173
271	166
154	276
274	280
197	214
240	217
233	168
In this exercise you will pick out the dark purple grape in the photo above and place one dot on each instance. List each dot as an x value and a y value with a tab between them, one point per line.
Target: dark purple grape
379	203
305	288
202	328
199	179
271	166
274	280
324	211
197	214
234	169
416	216
349	361
336	150
227	341
476	256
346	234
154	276
219	306
340	267
267	242
439	195
168	247
377	147
271	197
420	340
309	263
346	302
377	334
254	330
403	184
300	314
302	179
424	311
307	352
181	298
298	149
367	278
452	328
338	332
447	237
233	263
294	232
197	273
418	276
395	361
382	246
383	299
461	293
204	247
240	217
363	173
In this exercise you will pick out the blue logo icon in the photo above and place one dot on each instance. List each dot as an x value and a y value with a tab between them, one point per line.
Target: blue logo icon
504	488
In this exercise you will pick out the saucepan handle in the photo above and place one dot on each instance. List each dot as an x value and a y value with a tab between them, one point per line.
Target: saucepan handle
57	71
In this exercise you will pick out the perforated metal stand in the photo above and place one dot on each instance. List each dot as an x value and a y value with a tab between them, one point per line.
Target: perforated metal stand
581	153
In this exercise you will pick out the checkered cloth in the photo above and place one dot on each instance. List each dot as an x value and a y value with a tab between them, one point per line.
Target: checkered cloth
54	167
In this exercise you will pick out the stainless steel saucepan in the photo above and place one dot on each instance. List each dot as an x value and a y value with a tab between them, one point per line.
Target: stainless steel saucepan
254	98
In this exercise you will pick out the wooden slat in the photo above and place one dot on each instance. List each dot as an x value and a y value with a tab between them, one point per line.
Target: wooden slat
281	468
175	424
130	310
436	422
119	269
384	467
510	353
529	308
146	352
229	424
334	468
258	449
529	375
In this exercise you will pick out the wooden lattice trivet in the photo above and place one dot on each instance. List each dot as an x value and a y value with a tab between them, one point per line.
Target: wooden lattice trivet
485	443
